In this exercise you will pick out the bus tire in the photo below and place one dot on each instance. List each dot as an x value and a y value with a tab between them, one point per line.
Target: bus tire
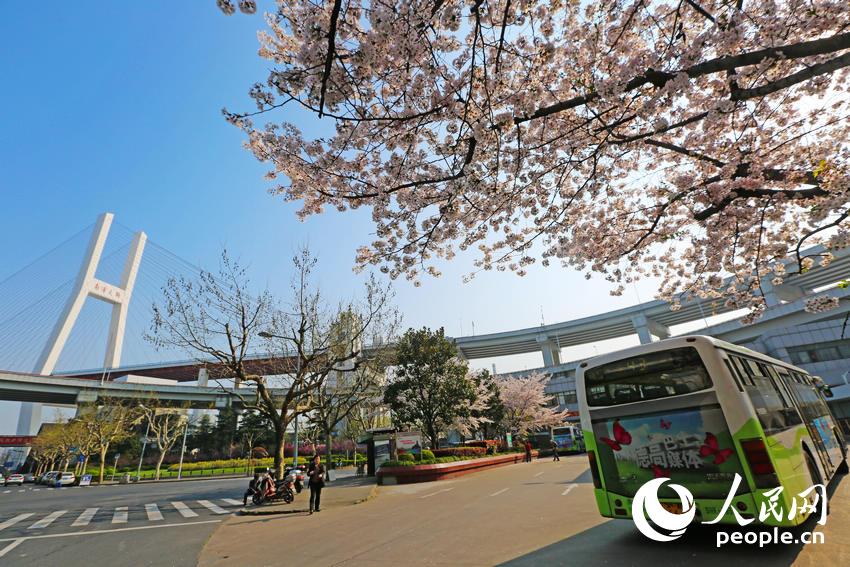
816	479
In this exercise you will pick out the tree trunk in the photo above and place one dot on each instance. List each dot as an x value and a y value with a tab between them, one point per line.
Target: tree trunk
103	451
85	465
159	462
434	437
280	446
328	453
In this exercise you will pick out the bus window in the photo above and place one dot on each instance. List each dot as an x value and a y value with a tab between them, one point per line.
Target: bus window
743	370
651	376
734	372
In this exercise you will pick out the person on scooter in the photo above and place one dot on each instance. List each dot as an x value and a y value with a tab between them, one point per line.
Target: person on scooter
253	486
316	475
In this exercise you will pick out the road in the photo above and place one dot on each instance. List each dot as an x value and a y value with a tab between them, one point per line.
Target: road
117	525
535	514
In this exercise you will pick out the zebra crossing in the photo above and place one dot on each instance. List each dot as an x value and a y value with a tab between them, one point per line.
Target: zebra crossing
29	522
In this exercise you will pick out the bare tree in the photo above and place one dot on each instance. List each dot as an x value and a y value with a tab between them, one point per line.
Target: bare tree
338	398
166	425
220	321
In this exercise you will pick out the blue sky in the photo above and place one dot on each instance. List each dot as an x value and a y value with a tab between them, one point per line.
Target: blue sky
116	106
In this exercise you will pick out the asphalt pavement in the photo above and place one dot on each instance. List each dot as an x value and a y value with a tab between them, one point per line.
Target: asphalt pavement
524	515
141	524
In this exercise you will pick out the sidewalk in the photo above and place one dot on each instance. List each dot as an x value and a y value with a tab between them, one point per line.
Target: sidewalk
231	539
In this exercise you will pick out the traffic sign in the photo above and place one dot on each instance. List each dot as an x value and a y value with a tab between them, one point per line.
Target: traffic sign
81	458
85	480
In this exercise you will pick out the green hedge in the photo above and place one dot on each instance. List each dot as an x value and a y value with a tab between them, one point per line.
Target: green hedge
460	452
438	460
266	462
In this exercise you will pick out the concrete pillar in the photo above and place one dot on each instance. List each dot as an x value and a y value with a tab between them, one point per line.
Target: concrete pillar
646	328
550	350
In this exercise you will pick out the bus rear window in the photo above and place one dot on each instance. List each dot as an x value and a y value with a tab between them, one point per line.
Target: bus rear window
647	377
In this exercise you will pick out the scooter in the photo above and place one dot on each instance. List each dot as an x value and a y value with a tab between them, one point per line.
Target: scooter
272	490
295	476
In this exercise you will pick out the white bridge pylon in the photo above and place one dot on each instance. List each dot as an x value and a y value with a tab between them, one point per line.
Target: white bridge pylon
87	285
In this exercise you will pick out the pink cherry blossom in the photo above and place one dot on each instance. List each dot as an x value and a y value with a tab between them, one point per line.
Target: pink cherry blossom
703	143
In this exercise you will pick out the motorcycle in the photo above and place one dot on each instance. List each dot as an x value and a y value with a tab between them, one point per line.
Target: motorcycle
294	475
272	490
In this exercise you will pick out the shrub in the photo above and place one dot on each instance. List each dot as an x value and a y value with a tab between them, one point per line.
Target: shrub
406	457
427	455
490	445
460	452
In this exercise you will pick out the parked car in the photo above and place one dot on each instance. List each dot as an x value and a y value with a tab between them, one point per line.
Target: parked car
29	477
2	478
15	478
48	478
65	479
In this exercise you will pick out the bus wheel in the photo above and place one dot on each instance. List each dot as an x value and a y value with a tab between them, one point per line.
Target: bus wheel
815	476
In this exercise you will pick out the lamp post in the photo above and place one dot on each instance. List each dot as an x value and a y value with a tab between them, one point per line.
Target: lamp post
183	450
142	455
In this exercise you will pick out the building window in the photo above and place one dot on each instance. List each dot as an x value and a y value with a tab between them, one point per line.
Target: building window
819	352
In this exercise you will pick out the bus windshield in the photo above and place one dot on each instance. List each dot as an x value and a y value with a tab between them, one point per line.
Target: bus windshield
647	377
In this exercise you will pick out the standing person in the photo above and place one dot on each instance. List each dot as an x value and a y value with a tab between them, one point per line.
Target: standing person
555	451
527	451
316	474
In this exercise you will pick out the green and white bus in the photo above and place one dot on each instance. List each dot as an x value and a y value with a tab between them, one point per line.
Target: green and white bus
698	410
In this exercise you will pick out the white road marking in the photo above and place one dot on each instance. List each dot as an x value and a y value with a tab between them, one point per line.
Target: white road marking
120	515
85	518
22	490
49	489
153	512
184	510
36	489
216	509
95	532
500	492
47	520
15	543
15	520
567	490
6	491
438	492
233	501
538	474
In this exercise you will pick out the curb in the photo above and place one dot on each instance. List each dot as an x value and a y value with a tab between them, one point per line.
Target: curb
372	493
270	512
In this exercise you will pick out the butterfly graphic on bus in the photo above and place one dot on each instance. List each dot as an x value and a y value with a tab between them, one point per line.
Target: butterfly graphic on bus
665	424
711	448
621	437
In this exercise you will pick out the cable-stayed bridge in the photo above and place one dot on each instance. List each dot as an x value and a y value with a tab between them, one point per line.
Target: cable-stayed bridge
78	316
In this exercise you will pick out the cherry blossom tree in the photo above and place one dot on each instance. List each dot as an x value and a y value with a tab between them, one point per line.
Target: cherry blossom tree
700	142
479	412
527	406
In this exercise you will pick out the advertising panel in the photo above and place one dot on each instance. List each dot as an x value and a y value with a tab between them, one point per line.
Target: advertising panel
693	447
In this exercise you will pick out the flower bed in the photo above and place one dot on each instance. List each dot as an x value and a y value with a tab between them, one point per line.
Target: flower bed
439	471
